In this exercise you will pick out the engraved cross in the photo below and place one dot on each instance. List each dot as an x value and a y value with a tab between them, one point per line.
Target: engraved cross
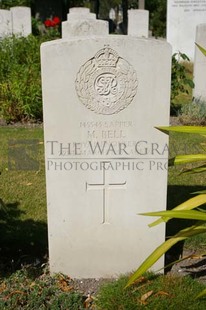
105	187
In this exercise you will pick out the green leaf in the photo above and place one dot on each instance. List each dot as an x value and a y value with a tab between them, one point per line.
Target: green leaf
152	258
190	204
199	169
190	83
186	214
201	49
163	248
185	159
200	192
184	56
203	293
184	129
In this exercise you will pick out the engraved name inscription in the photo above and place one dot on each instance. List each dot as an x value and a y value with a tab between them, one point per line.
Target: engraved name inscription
106	84
190	5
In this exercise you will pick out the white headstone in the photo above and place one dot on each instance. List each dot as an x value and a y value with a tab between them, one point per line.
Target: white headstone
200	64
138	23
182	18
105	161
112	14
5	23
80	22
21	21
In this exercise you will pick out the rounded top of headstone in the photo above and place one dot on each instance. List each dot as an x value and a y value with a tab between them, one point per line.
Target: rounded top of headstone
79	13
79	10
137	11
20	8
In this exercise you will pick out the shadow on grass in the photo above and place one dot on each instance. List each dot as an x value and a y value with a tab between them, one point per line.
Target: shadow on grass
196	270
176	195
21	241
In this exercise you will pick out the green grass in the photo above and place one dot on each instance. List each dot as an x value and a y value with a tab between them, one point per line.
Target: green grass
27	188
23	227
182	186
164	292
185	144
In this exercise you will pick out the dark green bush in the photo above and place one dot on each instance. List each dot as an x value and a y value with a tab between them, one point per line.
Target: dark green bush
20	76
20	79
181	80
193	113
6	4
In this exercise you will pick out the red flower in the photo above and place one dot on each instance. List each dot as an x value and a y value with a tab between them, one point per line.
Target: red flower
52	22
56	20
47	23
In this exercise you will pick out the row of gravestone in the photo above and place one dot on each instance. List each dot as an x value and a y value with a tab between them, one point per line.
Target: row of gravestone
183	18
15	21
81	22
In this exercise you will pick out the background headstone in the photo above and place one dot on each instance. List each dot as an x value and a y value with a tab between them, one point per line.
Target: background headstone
141	4
138	23
80	12
182	18
21	21
5	23
105	161
80	22
200	64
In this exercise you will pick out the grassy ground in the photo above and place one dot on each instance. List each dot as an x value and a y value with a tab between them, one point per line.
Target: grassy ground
152	292
23	228
182	186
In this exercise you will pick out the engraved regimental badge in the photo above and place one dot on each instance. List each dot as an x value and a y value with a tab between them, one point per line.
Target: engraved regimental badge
107	83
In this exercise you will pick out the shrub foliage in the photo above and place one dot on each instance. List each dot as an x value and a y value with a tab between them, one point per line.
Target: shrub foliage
20	79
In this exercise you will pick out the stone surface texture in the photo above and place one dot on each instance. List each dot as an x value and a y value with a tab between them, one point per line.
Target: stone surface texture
21	21
5	23
105	161
182	18
80	22
138	23
200	64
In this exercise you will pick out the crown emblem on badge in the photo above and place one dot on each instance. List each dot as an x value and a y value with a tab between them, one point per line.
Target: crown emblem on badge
106	83
106	57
